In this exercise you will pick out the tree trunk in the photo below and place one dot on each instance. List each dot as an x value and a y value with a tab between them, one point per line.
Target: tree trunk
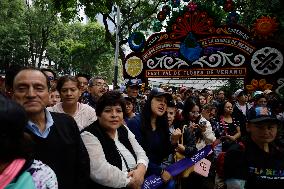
44	36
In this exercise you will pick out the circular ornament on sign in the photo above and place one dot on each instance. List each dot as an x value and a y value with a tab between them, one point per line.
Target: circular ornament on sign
136	41
267	61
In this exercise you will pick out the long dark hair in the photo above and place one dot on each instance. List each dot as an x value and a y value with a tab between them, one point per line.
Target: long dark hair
221	108
188	105
14	143
162	121
162	127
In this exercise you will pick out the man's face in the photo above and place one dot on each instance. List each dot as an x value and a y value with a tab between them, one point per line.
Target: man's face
132	91
243	98
98	88
171	112
31	91
221	95
83	84
50	77
262	133
147	92
54	98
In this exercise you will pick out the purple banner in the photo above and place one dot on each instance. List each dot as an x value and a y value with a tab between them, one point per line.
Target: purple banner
154	181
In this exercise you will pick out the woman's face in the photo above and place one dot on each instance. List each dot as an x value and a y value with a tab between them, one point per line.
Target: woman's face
111	117
194	113
70	93
129	107
262	102
228	108
202	100
159	106
262	133
54	98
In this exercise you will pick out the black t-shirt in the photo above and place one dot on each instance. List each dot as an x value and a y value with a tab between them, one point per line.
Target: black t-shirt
258	168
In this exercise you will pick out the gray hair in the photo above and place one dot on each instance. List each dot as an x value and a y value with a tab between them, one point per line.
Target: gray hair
91	81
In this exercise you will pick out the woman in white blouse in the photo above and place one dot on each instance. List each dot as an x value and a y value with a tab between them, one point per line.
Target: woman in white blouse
116	158
68	87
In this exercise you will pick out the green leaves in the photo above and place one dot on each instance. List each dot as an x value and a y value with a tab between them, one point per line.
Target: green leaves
80	48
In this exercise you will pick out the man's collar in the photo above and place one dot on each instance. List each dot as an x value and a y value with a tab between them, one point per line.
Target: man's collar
48	123
48	117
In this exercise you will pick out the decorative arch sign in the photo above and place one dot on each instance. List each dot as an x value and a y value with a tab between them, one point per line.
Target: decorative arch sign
193	47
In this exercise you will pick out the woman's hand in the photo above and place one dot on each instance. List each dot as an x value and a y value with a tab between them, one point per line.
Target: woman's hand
202	127
192	127
180	148
175	136
166	176
137	176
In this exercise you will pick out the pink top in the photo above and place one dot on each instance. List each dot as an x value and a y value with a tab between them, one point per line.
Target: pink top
10	172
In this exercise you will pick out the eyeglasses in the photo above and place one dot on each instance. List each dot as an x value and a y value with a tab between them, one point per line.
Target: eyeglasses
50	78
194	113
100	85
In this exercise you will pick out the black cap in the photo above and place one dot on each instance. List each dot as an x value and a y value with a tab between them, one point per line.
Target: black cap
160	92
261	114
132	83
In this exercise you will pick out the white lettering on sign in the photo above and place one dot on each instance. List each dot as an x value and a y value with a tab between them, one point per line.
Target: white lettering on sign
230	41
147	184
238	32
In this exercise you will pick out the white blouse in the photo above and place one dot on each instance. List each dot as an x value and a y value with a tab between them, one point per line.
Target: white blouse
102	172
84	115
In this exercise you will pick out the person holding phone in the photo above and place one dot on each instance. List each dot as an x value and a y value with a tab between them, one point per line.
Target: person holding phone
197	134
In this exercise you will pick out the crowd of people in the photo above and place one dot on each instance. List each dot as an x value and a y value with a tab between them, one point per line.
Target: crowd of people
74	132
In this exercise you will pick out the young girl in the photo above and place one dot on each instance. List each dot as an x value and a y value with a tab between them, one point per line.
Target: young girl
153	134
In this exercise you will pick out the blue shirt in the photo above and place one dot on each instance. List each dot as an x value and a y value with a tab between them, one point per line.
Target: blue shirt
34	128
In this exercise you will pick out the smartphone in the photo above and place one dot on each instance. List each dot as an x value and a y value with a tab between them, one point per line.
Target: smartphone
202	123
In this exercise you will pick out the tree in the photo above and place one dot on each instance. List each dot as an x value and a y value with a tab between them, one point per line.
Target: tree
41	18
231	86
13	38
135	15
77	47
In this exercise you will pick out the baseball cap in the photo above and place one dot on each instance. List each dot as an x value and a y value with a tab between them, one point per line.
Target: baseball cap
267	91
261	114
239	92
257	93
161	92
132	83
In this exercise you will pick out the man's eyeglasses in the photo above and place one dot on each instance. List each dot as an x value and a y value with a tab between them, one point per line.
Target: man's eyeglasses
50	78
100	85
